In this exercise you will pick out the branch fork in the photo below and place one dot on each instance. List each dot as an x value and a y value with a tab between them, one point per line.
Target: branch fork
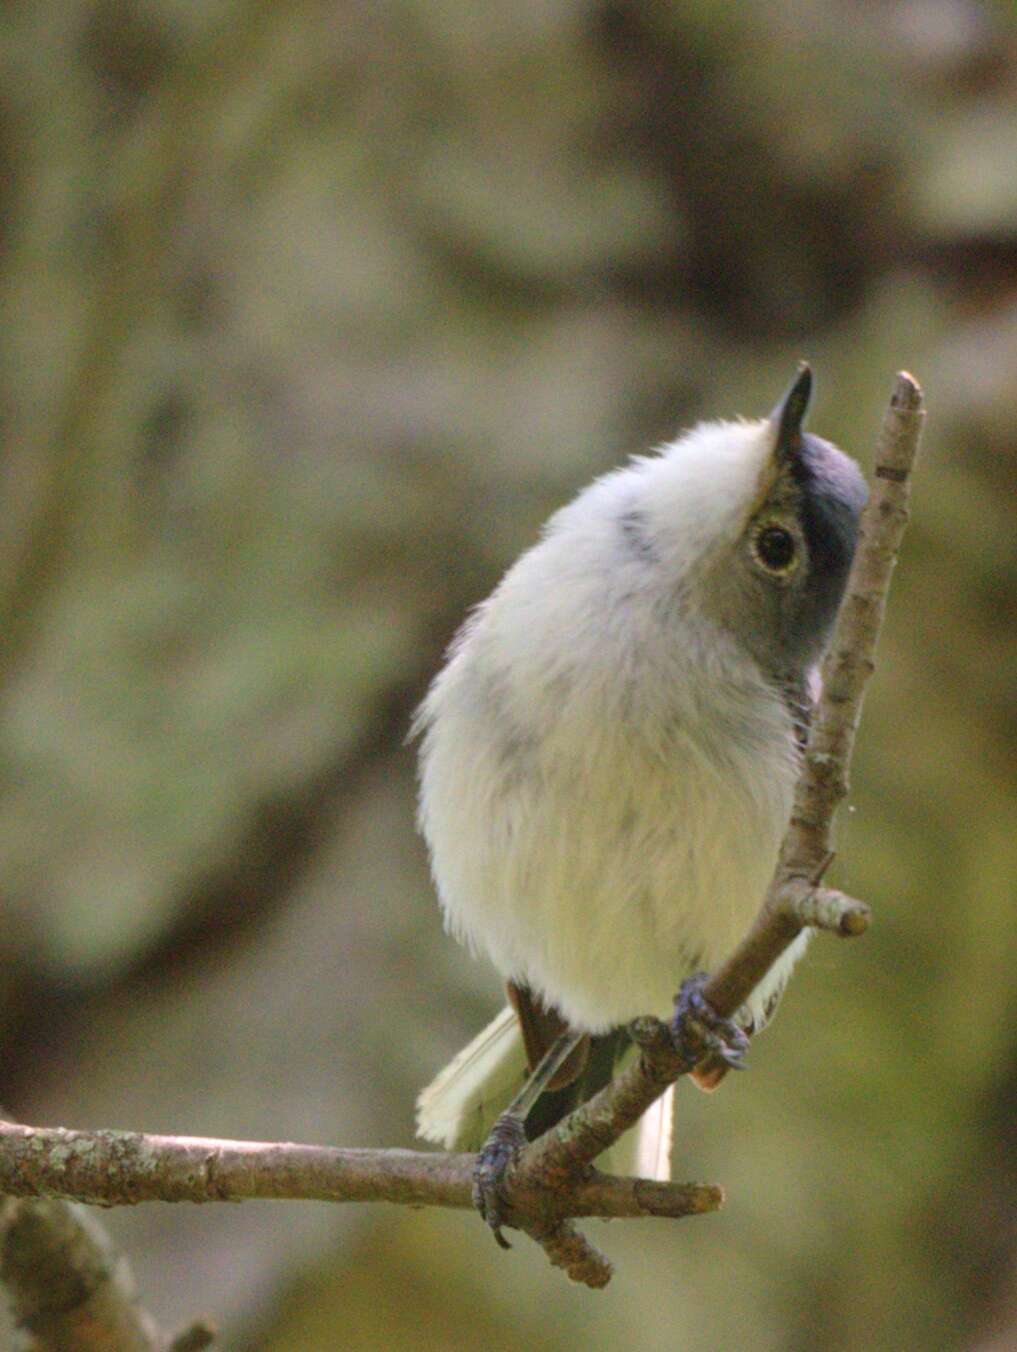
552	1181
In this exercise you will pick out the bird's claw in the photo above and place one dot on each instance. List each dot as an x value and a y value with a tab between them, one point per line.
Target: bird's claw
498	1153
699	1031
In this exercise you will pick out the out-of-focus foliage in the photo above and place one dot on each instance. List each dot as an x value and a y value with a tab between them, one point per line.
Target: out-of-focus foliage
313	312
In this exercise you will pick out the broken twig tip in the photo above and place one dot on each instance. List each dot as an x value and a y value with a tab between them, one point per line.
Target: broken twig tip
576	1256
855	922
710	1197
824	908
907	393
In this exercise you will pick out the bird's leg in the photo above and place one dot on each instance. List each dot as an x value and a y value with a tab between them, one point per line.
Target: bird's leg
508	1135
699	1032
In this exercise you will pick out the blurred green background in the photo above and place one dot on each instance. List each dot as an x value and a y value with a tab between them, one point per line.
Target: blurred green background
313	312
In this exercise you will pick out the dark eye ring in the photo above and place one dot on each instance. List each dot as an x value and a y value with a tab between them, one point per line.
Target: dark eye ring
774	547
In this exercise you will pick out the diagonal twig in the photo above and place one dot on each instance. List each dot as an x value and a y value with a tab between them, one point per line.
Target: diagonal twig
795	897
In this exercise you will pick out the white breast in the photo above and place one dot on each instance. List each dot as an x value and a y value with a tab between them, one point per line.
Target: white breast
603	789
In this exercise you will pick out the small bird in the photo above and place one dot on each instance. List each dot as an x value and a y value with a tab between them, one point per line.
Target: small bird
608	762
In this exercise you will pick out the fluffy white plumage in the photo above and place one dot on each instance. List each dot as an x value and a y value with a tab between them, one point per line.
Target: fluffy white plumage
605	773
609	754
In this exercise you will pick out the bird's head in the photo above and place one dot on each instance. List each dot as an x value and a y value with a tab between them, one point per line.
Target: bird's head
756	522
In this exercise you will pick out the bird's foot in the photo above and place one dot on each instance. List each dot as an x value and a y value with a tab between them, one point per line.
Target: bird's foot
700	1033
498	1153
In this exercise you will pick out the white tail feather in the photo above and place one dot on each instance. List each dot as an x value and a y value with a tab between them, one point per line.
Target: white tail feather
645	1151
459	1107
654	1132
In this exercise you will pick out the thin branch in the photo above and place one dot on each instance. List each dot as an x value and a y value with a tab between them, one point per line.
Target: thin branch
120	1168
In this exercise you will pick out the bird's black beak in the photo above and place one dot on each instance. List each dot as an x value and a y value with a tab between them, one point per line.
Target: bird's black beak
789	415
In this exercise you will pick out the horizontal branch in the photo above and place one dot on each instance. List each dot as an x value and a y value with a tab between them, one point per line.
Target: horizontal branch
117	1168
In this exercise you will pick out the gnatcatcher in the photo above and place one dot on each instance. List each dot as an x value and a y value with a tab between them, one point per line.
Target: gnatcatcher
608	762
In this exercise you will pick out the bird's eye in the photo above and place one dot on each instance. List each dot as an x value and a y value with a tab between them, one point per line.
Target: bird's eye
774	547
